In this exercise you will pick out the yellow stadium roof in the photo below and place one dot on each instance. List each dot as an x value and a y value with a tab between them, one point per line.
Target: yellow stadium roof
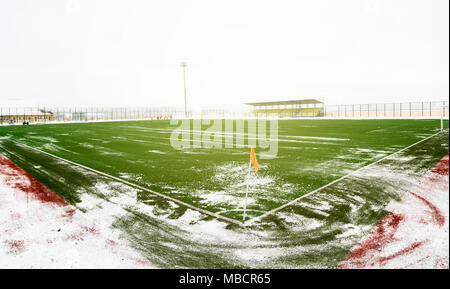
286	102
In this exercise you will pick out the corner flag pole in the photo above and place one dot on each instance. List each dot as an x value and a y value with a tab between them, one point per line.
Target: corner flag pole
255	164
246	192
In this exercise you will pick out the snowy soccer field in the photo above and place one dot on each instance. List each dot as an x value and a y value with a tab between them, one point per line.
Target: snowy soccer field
330	184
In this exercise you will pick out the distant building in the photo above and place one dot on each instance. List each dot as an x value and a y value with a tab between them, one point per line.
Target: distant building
289	108
27	115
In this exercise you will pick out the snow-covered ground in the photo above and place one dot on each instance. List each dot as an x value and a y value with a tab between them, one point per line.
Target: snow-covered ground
38	229
414	234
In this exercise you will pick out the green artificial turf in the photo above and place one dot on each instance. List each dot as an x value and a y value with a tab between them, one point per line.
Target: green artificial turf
317	232
311	153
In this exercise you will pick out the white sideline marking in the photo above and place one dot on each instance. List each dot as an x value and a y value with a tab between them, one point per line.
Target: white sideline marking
333	182
240	209
136	186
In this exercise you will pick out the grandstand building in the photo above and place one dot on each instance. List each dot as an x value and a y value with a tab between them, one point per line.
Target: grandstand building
288	108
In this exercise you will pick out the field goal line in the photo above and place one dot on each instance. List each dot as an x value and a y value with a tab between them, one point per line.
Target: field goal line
273	211
212	214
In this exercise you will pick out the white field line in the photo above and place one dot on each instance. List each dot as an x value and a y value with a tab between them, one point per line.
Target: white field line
333	182
240	209
215	215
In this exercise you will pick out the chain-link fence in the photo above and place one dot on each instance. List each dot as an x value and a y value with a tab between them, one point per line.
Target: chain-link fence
16	115
405	109
68	114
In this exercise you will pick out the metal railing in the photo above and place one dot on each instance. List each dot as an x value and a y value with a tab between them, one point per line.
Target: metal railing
16	115
404	109
79	114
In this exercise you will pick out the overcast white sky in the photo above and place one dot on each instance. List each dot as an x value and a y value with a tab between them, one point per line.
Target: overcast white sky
127	52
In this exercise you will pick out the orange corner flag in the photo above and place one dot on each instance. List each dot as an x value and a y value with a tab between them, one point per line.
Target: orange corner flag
253	159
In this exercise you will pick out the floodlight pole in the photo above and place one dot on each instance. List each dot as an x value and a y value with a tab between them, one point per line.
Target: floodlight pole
444	107
183	64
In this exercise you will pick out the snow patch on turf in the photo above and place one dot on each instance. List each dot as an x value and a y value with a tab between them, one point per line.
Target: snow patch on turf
54	147
260	254
157	152
87	145
368	151
221	197
45	138
234	178
193	152
49	235
414	233
108	152
318	138
237	175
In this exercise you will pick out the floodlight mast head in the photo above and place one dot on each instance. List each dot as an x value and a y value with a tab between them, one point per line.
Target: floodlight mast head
183	63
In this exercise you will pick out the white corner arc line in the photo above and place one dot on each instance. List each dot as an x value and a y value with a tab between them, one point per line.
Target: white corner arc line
215	215
333	182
